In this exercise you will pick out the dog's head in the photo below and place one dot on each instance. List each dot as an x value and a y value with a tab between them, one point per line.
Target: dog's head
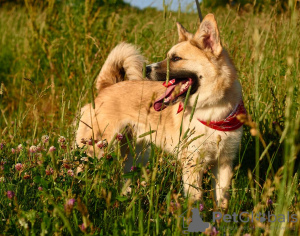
197	61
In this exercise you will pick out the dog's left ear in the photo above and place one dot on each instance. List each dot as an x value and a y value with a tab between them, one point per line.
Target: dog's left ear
207	36
183	34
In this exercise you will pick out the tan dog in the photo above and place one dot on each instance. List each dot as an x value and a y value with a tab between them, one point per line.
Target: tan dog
197	63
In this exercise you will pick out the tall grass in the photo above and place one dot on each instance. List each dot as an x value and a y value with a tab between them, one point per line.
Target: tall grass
48	58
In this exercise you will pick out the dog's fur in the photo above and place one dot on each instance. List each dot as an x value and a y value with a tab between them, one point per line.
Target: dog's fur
119	103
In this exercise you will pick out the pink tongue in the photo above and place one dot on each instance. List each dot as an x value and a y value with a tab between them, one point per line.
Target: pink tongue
158	104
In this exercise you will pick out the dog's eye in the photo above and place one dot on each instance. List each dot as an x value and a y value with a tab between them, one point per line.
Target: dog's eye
176	58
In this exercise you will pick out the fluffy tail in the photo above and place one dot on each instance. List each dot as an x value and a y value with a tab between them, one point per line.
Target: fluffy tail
123	59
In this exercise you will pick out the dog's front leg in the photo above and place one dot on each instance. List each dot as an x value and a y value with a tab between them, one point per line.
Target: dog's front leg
192	174
221	182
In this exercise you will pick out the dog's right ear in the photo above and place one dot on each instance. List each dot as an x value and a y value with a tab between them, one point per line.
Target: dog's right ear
183	34
207	36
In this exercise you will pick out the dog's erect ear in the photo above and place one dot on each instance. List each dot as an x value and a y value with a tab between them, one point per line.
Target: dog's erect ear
208	36
183	34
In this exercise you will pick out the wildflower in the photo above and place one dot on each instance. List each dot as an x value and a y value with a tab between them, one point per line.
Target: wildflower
2	145
90	142
40	188
201	207
23	223
133	168
270	202
71	202
83	141
49	171
85	159
13	151
214	231
108	157
101	144
61	139
66	164
20	147
10	194
18	166
39	147
33	149
82	227
52	149
26	176
119	136
174	206
45	138
69	205
2	179
70	173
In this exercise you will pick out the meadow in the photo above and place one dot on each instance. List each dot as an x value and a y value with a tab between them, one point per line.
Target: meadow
49	56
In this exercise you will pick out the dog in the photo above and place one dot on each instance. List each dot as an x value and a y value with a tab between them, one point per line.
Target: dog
204	124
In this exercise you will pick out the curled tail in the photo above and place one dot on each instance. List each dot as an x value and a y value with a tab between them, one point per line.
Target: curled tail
123	59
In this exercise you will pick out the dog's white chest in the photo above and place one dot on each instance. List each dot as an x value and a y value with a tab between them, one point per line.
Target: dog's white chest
210	144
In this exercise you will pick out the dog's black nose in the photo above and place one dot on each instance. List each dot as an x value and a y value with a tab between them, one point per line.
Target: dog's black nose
148	70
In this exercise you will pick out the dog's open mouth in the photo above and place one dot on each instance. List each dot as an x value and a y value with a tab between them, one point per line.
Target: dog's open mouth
175	89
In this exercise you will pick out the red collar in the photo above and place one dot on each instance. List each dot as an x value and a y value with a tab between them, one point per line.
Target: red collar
231	122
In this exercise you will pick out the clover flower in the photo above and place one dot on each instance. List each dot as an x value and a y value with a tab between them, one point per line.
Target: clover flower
270	202
70	173
10	194
20	147
90	142
69	205
33	149
18	166
119	136
52	149
214	231
45	138
83	141
101	144
201	207
61	140
49	171
82	227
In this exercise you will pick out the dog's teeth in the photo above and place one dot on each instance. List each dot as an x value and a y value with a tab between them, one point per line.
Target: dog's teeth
184	86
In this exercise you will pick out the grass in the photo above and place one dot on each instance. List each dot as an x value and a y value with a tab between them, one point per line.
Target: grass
48	57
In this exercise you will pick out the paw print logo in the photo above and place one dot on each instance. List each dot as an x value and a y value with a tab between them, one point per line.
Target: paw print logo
261	217
196	224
